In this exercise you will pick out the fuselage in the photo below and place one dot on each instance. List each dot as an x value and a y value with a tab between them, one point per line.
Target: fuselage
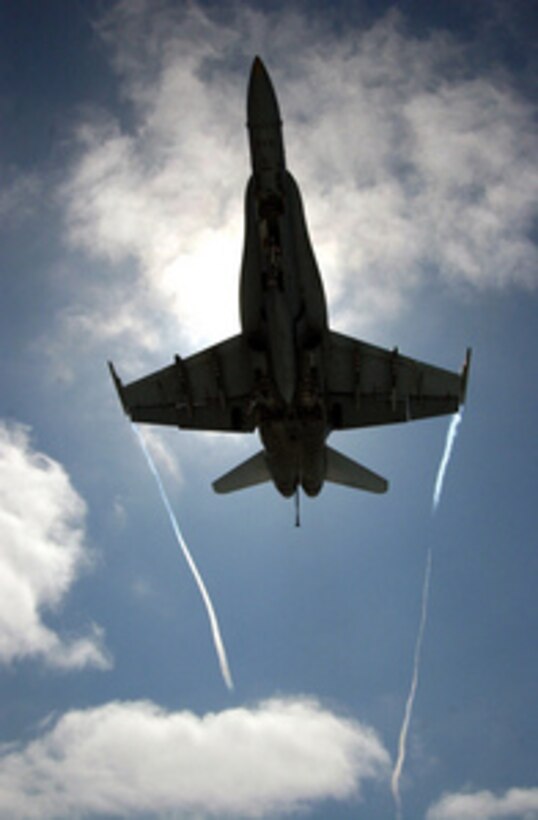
282	303
287	374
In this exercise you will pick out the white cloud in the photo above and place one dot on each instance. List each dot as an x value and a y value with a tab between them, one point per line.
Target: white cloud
412	165
42	551
134	758
484	805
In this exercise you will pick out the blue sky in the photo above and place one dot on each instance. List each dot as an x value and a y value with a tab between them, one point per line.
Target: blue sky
123	154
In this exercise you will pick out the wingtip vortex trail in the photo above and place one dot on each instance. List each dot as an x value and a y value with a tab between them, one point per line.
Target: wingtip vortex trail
449	444
213	621
409	704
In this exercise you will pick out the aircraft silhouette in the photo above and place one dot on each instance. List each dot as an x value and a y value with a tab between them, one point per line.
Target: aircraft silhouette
287	374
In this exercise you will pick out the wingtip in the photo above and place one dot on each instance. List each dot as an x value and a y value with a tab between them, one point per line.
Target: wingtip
118	385
217	486
465	374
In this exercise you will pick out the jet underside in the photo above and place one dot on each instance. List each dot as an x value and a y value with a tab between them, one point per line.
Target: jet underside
287	374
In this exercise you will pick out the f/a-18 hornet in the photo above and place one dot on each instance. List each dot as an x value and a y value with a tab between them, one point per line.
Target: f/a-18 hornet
287	373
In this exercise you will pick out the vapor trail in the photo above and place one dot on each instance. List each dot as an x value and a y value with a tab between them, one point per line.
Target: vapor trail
450	438
402	741
408	713
213	622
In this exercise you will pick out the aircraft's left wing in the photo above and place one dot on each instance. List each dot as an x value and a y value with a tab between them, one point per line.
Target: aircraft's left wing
368	385
208	391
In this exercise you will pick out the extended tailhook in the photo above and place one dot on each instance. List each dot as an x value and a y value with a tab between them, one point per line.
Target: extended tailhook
297	508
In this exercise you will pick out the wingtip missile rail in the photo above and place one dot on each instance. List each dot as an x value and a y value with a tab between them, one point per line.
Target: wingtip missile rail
465	374
119	387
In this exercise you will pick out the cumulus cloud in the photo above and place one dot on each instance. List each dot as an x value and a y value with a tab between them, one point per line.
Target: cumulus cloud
484	805
42	551
413	165
132	758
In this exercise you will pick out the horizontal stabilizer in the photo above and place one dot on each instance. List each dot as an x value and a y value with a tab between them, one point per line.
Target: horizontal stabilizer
252	471
343	470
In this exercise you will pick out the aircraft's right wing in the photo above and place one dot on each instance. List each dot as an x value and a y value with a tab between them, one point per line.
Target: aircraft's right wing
207	391
368	385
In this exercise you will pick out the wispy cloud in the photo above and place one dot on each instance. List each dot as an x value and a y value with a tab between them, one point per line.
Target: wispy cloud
19	195
413	165
132	758
42	551
484	805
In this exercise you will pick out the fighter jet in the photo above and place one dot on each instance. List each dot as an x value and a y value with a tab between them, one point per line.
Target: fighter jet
287	374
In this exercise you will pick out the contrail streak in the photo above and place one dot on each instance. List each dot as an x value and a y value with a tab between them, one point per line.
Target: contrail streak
402	741
450	438
408	713
213	622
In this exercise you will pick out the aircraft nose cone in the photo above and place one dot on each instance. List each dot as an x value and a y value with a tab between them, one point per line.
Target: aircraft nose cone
262	105
257	65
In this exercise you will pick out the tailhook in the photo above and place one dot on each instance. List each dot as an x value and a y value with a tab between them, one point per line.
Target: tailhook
297	508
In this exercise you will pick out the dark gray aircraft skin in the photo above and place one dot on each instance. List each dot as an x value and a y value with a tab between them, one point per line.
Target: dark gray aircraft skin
287	373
